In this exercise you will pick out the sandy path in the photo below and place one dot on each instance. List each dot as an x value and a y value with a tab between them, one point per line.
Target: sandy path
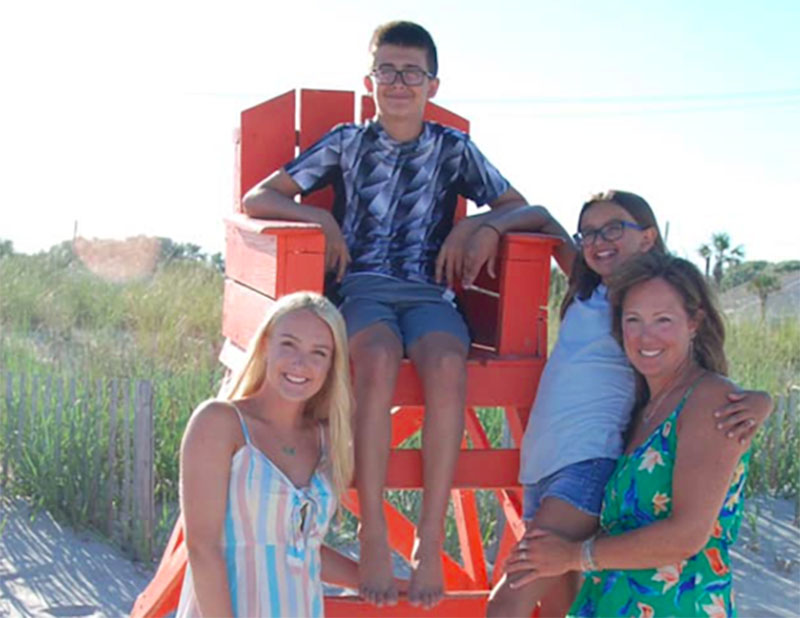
49	570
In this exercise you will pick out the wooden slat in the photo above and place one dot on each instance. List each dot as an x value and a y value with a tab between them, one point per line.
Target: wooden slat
524	281
21	414
401	533
490	381
143	469
111	482
267	139
475	469
127	476
320	111
452	606
406	421
303	259
242	312
6	424
275	260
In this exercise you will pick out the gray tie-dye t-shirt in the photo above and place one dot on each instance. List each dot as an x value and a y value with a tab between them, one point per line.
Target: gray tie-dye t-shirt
395	201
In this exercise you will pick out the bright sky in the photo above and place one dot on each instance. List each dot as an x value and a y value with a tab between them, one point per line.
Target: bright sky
119	115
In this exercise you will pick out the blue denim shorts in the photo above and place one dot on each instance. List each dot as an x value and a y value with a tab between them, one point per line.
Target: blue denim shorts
581	484
410	309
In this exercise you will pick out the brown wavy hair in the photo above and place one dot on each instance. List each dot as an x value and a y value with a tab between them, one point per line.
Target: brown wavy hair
699	302
583	280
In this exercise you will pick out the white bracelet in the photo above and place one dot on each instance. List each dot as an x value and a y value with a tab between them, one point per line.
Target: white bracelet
587	555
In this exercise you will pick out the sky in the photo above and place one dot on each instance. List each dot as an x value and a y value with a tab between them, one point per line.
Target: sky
118	117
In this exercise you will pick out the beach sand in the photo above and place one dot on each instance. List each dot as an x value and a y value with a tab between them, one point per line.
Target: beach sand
50	570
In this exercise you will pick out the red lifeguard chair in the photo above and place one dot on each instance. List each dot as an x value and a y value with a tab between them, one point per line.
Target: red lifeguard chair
507	315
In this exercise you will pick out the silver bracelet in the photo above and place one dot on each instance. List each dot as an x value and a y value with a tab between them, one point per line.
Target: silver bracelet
587	556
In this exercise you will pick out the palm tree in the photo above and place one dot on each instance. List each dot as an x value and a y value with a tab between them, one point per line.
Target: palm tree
763	284
705	252
724	256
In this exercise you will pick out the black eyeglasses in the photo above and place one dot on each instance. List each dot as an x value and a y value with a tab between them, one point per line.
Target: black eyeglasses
610	231
386	75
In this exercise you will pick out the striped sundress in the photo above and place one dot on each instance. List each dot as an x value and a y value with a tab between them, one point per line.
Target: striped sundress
271	537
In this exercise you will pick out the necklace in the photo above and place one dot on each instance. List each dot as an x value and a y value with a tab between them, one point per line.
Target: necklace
288	450
654	404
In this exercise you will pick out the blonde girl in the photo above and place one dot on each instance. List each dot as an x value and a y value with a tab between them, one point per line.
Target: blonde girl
262	468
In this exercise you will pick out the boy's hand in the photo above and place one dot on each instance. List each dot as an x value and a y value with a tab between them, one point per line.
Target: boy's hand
481	249
450	261
746	412
337	256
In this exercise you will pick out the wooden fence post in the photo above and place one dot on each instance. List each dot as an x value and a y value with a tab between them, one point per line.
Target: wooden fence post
143	469
126	470
112	456
20	418
7	424
57	446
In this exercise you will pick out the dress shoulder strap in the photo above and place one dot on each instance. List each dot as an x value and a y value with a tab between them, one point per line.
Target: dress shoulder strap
682	402
241	421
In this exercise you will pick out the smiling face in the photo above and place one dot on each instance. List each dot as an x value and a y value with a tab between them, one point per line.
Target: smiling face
397	101
656	329
299	354
605	256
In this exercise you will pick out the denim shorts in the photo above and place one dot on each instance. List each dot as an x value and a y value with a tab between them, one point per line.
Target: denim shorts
409	308
581	484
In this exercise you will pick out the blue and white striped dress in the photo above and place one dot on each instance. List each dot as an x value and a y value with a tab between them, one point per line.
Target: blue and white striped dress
271	537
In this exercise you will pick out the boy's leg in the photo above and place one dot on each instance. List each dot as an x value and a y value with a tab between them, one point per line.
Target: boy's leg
506	602
440	360
376	352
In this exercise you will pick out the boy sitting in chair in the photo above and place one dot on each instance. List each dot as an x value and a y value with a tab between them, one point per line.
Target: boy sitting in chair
393	246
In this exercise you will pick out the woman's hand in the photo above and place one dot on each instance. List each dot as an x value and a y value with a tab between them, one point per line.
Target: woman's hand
744	414
541	553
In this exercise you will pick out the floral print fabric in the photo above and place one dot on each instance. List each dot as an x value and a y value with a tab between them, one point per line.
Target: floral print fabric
639	493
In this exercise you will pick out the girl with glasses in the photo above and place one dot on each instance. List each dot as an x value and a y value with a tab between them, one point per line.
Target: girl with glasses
587	390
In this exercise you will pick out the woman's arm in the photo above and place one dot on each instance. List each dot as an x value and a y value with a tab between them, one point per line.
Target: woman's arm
704	466
206	453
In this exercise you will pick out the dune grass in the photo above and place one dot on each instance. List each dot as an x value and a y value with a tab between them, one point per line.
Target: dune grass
58	319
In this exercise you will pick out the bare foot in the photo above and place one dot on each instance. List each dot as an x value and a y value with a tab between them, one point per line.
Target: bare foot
375	576
426	588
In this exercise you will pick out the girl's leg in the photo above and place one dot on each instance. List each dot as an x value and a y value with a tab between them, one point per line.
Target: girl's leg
561	517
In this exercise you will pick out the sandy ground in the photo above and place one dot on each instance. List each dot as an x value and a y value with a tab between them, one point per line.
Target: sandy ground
49	570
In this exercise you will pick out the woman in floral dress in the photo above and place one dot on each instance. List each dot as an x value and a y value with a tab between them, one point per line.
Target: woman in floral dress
674	502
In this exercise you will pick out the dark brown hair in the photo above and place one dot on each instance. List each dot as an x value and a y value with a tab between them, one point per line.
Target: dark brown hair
583	280
405	34
699	302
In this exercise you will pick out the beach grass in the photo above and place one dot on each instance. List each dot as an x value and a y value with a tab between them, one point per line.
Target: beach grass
59	321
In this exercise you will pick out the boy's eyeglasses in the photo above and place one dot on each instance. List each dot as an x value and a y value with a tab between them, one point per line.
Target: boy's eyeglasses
610	231
411	76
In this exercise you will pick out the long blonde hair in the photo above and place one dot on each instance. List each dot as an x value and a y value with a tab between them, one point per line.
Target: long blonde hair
334	401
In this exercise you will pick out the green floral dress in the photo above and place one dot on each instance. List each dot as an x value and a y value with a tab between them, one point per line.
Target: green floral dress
639	493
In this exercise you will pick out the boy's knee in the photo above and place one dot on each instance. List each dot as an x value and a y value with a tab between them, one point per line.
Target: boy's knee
376	356
447	366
